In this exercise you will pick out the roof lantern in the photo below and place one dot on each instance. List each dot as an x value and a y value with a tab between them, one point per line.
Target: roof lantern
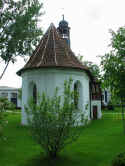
63	23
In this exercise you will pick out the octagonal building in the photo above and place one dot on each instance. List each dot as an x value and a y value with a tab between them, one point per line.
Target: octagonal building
50	65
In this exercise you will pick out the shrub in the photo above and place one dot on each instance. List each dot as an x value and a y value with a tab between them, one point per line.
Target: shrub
110	106
2	121
119	160
3	105
55	120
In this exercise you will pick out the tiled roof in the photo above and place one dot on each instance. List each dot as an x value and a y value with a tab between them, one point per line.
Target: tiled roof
53	51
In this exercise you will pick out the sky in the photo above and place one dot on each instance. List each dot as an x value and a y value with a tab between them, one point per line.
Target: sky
90	22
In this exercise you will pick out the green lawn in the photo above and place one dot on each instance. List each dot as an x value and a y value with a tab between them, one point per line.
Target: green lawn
116	110
99	142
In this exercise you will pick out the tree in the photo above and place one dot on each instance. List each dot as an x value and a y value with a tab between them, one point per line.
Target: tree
19	32
94	68
55	120
113	66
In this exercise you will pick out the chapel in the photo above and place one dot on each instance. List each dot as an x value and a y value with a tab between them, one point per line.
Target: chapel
51	64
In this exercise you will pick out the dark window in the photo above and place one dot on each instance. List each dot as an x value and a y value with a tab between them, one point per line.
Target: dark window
34	94
5	95
14	95
76	94
102	97
14	98
14	101
95	109
106	96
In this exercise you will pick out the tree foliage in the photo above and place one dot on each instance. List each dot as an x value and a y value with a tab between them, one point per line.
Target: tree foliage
118	41
113	64
55	120
19	32
6	104
94	68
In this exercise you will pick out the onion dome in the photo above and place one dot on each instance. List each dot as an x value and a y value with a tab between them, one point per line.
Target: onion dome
63	23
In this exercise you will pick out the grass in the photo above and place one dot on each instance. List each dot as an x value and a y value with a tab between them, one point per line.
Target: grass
98	144
14	110
116	110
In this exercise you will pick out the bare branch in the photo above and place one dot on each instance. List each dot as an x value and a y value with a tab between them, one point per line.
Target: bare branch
4	69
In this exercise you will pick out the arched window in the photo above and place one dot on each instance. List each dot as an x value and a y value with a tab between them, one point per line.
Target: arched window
34	94
32	91
105	96
78	95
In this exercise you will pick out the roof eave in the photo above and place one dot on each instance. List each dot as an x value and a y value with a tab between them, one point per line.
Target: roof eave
57	67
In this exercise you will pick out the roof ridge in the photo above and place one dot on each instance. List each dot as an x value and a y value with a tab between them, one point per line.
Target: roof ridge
54	45
47	40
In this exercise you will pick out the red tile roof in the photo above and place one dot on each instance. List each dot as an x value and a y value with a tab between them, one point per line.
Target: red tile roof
53	52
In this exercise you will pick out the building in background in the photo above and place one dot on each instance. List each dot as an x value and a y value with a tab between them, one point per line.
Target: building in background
95	93
11	94
106	97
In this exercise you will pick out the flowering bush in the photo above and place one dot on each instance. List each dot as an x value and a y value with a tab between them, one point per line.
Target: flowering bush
55	121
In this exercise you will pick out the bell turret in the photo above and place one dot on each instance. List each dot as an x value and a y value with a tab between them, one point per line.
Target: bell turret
64	30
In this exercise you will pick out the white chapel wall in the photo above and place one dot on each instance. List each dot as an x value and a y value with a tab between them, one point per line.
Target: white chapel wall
48	79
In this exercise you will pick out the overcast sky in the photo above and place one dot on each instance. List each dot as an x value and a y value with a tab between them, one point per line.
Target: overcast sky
90	21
